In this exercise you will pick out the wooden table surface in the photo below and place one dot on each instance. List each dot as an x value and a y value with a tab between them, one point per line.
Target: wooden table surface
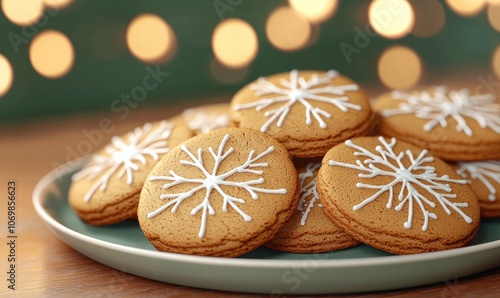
47	267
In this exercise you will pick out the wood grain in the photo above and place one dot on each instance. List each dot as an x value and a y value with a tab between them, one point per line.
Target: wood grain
49	268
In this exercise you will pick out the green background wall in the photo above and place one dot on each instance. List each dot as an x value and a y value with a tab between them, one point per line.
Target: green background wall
94	82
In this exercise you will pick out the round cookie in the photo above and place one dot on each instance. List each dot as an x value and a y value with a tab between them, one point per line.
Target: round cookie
396	197
310	230
452	124
221	193
206	118
484	178
106	190
307	111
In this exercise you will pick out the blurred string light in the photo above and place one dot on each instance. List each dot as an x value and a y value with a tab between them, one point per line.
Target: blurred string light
57	4
467	8
494	15
51	54
316	11
399	67
495	61
151	39
429	17
294	27
227	75
23	13
287	30
235	43
391	18
6	75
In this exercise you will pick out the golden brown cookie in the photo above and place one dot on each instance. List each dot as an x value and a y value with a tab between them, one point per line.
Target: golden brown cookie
206	118
310	230
397	197
221	193
452	124
307	111
107	189
484	178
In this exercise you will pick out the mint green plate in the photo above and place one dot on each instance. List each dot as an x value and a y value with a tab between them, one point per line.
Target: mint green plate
358	269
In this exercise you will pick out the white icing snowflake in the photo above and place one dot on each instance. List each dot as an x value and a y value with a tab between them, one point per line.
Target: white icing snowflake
442	105
205	122
124	156
308	191
390	164
300	91
213	182
483	171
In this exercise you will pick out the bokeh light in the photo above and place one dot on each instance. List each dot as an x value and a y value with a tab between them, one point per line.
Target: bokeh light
57	4
23	12
151	39
226	75
287	30
495	61
466	8
429	17
391	18
51	54
399	67
315	11
6	75
494	15
235	43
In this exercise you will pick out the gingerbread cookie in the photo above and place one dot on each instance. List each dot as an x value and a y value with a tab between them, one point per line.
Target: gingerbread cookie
397	197
221	193
310	230
307	111
107	189
452	124
484	178
206	118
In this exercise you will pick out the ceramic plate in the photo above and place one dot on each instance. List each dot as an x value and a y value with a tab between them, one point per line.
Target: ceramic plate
358	269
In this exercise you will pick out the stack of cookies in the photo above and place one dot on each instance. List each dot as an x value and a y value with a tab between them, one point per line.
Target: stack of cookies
455	125
294	163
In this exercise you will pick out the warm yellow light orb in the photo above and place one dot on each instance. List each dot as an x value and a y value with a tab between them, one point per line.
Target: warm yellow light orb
51	54
287	30
151	39
391	18
399	67
6	75
235	43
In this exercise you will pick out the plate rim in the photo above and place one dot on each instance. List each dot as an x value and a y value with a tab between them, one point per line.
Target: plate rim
38	198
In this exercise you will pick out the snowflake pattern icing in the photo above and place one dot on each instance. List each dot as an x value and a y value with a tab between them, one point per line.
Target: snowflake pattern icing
418	174
301	91
205	122
213	182
484	171
308	191
442	105
124	156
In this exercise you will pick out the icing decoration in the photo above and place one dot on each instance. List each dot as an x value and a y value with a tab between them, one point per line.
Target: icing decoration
417	174
205	122
213	182
440	106
483	171
308	191
124	156
298	90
